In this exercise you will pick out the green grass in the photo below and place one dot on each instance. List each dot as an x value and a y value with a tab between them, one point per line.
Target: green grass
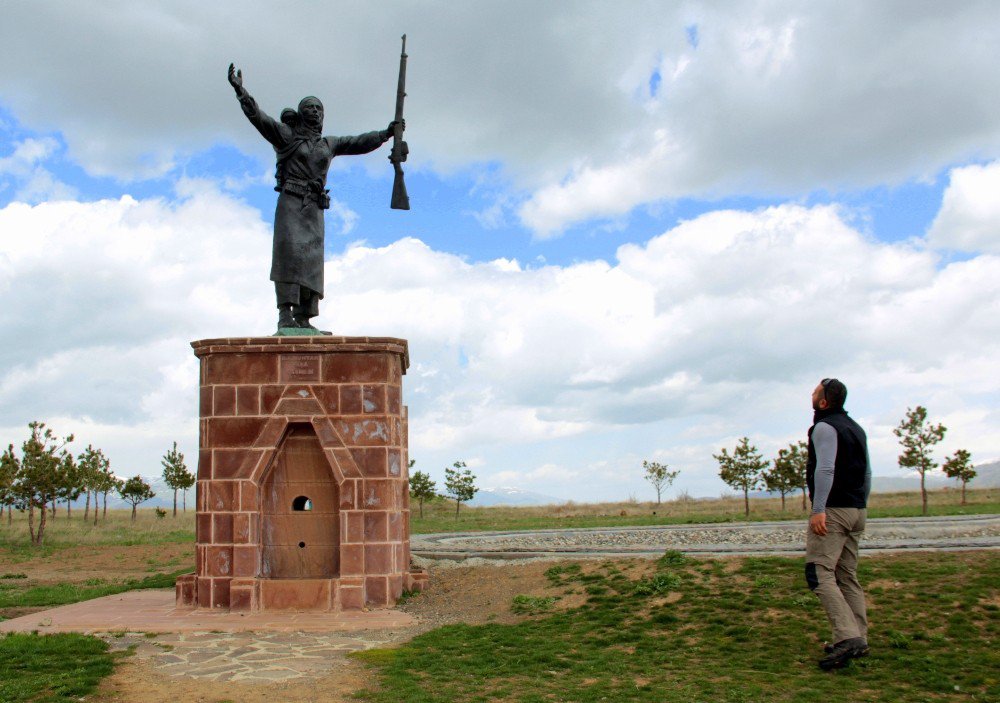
16	595
51	668
689	630
439	515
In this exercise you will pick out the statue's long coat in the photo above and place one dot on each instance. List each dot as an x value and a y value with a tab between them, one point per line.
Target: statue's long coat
297	255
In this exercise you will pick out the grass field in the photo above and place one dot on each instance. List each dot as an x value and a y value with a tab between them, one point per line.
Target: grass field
439	516
738	631
116	530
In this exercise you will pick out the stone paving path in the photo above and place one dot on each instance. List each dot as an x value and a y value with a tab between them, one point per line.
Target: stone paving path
784	537
246	657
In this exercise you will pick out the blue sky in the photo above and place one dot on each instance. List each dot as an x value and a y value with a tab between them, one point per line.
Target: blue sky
630	238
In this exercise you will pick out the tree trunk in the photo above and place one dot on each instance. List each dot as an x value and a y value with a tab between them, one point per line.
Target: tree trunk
86	509
69	504
31	521
53	507
184	500
41	526
175	502
782	501
1	511
746	502
804	507
10	515
133	512
421	508
657	496
105	515
923	493
458	503
963	492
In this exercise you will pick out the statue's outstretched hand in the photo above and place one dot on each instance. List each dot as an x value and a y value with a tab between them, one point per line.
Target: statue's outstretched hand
392	126
235	78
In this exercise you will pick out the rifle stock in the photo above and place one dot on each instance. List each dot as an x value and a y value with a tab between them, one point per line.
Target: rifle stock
400	200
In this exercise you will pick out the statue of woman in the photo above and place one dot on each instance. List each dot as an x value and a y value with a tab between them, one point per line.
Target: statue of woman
303	159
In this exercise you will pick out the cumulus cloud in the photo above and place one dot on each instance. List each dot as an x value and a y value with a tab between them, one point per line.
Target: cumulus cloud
714	329
788	99
969	219
771	98
104	299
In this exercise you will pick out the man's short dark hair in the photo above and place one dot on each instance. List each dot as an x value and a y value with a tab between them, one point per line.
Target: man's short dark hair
835	393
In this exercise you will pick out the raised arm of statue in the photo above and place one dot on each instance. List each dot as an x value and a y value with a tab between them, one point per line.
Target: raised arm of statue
275	132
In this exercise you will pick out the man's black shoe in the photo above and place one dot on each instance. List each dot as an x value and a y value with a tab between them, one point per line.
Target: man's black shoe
827	648
840	654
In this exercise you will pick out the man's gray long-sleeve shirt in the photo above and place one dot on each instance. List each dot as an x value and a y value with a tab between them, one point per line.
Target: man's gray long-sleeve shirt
824	438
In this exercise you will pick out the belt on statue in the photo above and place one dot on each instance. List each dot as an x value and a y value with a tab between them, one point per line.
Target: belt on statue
306	191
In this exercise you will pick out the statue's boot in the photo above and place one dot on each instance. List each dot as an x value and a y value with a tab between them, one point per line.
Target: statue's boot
285	317
303	322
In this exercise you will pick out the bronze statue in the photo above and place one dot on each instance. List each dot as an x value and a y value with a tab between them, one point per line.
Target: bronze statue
303	159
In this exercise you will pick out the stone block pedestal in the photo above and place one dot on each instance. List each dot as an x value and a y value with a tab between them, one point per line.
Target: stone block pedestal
302	493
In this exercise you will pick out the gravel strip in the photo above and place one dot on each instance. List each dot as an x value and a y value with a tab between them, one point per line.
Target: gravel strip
972	532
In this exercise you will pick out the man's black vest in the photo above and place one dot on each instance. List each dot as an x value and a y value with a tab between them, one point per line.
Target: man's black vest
851	464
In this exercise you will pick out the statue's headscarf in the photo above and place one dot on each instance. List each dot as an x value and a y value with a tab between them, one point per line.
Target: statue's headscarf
302	123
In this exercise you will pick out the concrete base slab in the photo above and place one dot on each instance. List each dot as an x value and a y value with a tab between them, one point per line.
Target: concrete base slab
156	611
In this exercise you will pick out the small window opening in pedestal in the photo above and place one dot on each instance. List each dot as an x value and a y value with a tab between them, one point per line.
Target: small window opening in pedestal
302	504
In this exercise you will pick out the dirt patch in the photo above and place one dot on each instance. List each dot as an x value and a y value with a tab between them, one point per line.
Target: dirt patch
79	564
136	680
478	594
885	584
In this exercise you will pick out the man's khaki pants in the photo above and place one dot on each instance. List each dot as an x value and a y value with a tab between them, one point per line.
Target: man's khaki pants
831	571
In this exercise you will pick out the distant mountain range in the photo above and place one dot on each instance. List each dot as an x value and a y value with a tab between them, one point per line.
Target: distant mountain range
987	476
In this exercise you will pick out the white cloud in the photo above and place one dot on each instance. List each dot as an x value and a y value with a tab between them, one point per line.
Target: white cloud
23	169
775	98
718	328
104	298
969	219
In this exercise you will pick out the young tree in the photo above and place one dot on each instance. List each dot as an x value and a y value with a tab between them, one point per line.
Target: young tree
460	483
744	469
9	467
40	474
176	474
90	463
8	474
960	467
422	488
106	482
135	491
917	437
789	472
72	486
659	475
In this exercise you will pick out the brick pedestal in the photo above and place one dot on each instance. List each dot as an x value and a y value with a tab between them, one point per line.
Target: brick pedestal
302	494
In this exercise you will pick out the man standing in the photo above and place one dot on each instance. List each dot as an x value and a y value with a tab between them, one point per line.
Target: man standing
838	475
